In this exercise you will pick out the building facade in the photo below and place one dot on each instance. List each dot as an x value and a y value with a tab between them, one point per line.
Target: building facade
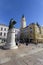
32	33
4	31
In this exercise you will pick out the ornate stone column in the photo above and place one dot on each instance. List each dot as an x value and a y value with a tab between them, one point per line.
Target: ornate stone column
11	44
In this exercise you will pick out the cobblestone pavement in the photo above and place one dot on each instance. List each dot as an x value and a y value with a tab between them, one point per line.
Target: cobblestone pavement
24	55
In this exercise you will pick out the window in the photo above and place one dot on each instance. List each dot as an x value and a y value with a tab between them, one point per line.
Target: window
4	34
4	29
30	28
15	34
30	31
0	33
30	35
1	29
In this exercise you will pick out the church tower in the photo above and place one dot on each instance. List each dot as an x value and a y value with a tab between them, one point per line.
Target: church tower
23	22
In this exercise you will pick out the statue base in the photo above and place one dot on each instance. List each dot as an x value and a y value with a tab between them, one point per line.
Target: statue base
13	47
11	44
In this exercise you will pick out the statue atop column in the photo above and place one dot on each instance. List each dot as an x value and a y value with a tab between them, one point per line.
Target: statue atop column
11	44
12	23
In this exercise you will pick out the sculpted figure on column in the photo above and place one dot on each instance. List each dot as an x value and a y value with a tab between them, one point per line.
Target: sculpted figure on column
11	44
12	23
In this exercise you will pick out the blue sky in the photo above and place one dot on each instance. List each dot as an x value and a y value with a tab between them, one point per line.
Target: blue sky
32	9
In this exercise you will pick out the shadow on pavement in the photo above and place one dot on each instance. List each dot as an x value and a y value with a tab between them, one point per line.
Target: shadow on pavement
2	47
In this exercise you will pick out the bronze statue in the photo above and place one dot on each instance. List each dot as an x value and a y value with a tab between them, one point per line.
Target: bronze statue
12	23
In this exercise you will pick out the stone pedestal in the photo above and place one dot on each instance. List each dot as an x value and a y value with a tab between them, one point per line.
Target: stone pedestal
11	44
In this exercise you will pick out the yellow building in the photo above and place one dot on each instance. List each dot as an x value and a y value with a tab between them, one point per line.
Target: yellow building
32	33
36	33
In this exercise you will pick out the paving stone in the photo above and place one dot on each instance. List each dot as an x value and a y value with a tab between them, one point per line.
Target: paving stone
25	55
